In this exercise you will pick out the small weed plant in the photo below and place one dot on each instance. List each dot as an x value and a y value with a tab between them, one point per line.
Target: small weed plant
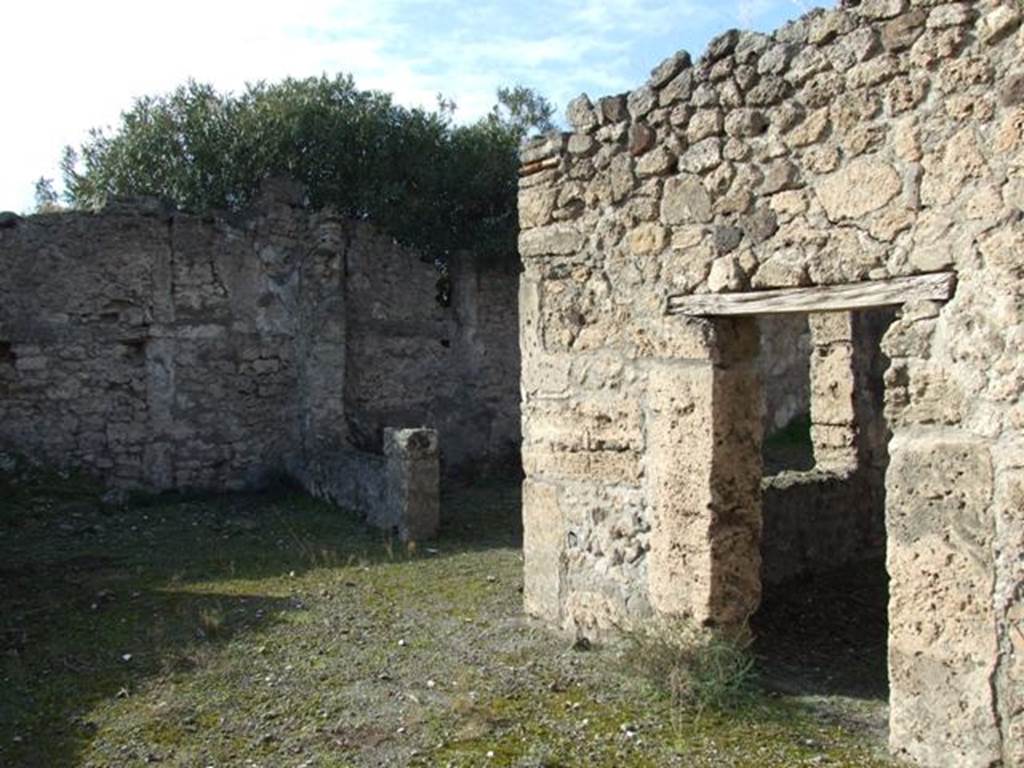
701	669
210	621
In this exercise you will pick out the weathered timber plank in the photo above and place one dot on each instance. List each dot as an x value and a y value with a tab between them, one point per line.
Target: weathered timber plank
938	286
541	165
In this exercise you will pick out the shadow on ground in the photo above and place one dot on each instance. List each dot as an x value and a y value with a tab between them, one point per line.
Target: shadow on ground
275	630
826	635
97	600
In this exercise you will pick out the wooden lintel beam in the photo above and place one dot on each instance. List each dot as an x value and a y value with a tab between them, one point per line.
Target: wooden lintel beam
937	286
541	165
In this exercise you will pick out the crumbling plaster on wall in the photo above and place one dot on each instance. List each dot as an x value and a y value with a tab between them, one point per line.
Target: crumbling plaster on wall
879	140
163	350
784	362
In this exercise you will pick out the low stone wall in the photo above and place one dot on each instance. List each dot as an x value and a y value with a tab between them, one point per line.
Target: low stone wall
398	491
350	479
817	521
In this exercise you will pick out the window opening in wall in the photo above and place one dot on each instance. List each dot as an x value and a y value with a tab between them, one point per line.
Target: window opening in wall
822	626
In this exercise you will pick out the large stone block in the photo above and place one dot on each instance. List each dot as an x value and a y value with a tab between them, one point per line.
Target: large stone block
679	403
830	327
543	547
553	240
832	385
863	186
612	467
702	478
942	638
922	392
536	207
685	201
603	424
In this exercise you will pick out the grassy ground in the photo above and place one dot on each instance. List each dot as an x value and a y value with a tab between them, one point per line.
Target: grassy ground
789	448
276	631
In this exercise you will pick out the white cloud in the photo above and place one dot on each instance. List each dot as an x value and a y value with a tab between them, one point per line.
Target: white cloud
81	64
70	65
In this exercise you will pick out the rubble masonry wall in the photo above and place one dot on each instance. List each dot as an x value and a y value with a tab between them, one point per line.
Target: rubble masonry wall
877	140
164	350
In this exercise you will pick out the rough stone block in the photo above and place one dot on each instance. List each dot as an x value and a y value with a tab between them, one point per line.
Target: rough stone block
412	491
553	240
543	551
612	467
536	207
832	385
705	500
942	641
881	9
785	269
922	392
863	186
648	238
830	327
685	201
542	147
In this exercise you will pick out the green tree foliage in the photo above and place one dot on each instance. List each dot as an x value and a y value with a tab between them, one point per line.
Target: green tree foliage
523	111
432	184
47	199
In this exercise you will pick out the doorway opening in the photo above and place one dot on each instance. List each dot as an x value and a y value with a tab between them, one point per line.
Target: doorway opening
822	626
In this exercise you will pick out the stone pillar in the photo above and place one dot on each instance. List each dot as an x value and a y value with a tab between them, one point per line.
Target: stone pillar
943	644
412	484
943	491
704	480
833	414
543	551
847	426
321	340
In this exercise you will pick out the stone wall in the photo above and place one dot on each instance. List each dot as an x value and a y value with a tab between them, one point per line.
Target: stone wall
154	350
879	140
784	361
412	361
165	350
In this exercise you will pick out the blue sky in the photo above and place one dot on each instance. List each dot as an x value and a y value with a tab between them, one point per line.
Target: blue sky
71	65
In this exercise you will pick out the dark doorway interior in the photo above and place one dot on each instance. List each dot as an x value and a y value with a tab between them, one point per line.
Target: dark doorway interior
826	634
822	627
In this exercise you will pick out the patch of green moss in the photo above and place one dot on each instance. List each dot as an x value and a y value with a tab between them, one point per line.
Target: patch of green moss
278	629
796	433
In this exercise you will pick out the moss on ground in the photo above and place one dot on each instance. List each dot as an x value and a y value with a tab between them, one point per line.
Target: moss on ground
274	630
